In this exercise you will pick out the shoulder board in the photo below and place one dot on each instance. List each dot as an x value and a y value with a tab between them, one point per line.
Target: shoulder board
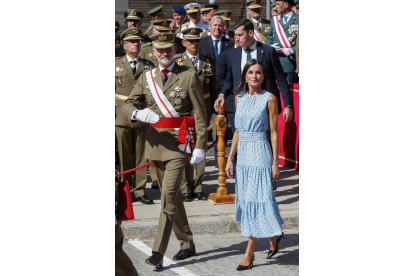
207	56
148	44
117	57
177	55
185	24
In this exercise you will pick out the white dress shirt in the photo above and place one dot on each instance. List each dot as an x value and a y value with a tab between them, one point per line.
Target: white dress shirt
289	15
197	56
130	59
253	54
218	43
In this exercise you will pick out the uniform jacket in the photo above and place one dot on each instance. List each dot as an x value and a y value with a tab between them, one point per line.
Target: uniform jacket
162	142
190	24
124	83
268	56
206	45
209	83
289	65
264	27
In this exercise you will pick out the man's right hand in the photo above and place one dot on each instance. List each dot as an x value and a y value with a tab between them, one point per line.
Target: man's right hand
147	116
220	100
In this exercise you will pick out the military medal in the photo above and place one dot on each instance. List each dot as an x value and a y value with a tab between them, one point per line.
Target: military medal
117	69
150	55
122	69
172	94
178	101
180	62
119	81
183	95
178	89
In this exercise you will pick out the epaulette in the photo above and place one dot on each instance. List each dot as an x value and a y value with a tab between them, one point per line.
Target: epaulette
177	55
147	44
185	24
117	57
207	56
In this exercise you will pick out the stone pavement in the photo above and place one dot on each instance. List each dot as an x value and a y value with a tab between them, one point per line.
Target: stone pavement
220	255
207	218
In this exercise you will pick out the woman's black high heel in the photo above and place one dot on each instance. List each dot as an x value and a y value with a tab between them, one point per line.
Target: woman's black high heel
271	253
242	267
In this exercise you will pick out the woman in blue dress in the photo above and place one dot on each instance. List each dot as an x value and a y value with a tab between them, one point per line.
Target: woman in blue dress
257	161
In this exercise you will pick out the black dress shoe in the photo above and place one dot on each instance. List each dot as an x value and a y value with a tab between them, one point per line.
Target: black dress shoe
242	267
200	196
154	185
271	253
156	259
187	197
144	199
184	254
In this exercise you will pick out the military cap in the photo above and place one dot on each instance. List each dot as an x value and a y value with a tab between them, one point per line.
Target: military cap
131	33
163	40
226	15
192	7
161	25
254	4
273	5
116	25
133	14
209	7
192	33
156	11
178	9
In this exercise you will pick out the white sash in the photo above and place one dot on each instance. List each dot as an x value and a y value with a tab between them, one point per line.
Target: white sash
257	36
284	41
165	106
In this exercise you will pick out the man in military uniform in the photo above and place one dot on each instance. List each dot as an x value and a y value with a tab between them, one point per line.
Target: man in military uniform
208	11
179	15
131	136
172	93
159	26
119	49
261	25
284	32
204	65
193	12
133	18
295	6
156	13
226	15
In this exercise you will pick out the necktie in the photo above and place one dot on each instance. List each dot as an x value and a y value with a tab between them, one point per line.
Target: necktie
133	64
258	24
215	48
164	76
194	60
249	57
285	19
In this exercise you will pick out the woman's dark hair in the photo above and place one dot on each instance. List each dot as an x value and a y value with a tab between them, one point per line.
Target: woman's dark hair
243	85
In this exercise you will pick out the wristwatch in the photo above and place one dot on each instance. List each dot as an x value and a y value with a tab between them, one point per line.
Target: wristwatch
289	106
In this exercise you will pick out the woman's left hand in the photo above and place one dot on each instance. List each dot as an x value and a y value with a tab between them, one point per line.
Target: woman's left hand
275	172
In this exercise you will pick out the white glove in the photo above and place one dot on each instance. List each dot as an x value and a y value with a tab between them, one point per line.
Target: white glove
197	157
277	47
147	116
287	51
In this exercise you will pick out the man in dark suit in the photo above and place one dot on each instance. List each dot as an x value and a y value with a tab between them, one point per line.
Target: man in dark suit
215	43
252	49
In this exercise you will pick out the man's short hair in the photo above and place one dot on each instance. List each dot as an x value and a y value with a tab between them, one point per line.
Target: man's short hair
248	25
216	16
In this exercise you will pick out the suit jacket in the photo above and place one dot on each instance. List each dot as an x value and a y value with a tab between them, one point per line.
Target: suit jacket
268	56
221	67
124	83
289	65
206	46
162	142
209	83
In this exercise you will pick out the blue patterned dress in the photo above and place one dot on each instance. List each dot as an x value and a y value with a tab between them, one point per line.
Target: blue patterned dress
256	206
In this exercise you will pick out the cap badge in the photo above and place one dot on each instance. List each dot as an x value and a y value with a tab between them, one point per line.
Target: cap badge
194	31
191	7
226	14
255	2
165	24
162	37
134	31
133	13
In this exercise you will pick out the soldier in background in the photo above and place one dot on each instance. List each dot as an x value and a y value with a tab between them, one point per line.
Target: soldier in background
273	11
295	7
204	65
226	15
179	15
156	13
193	12
208	11
119	49
131	136
133	18
261	25
160	26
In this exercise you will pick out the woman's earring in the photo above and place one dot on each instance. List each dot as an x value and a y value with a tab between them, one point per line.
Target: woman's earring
262	81
246	80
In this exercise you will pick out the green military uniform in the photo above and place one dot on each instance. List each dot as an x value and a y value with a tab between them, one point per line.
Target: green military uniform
291	29
206	74
161	145
130	136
